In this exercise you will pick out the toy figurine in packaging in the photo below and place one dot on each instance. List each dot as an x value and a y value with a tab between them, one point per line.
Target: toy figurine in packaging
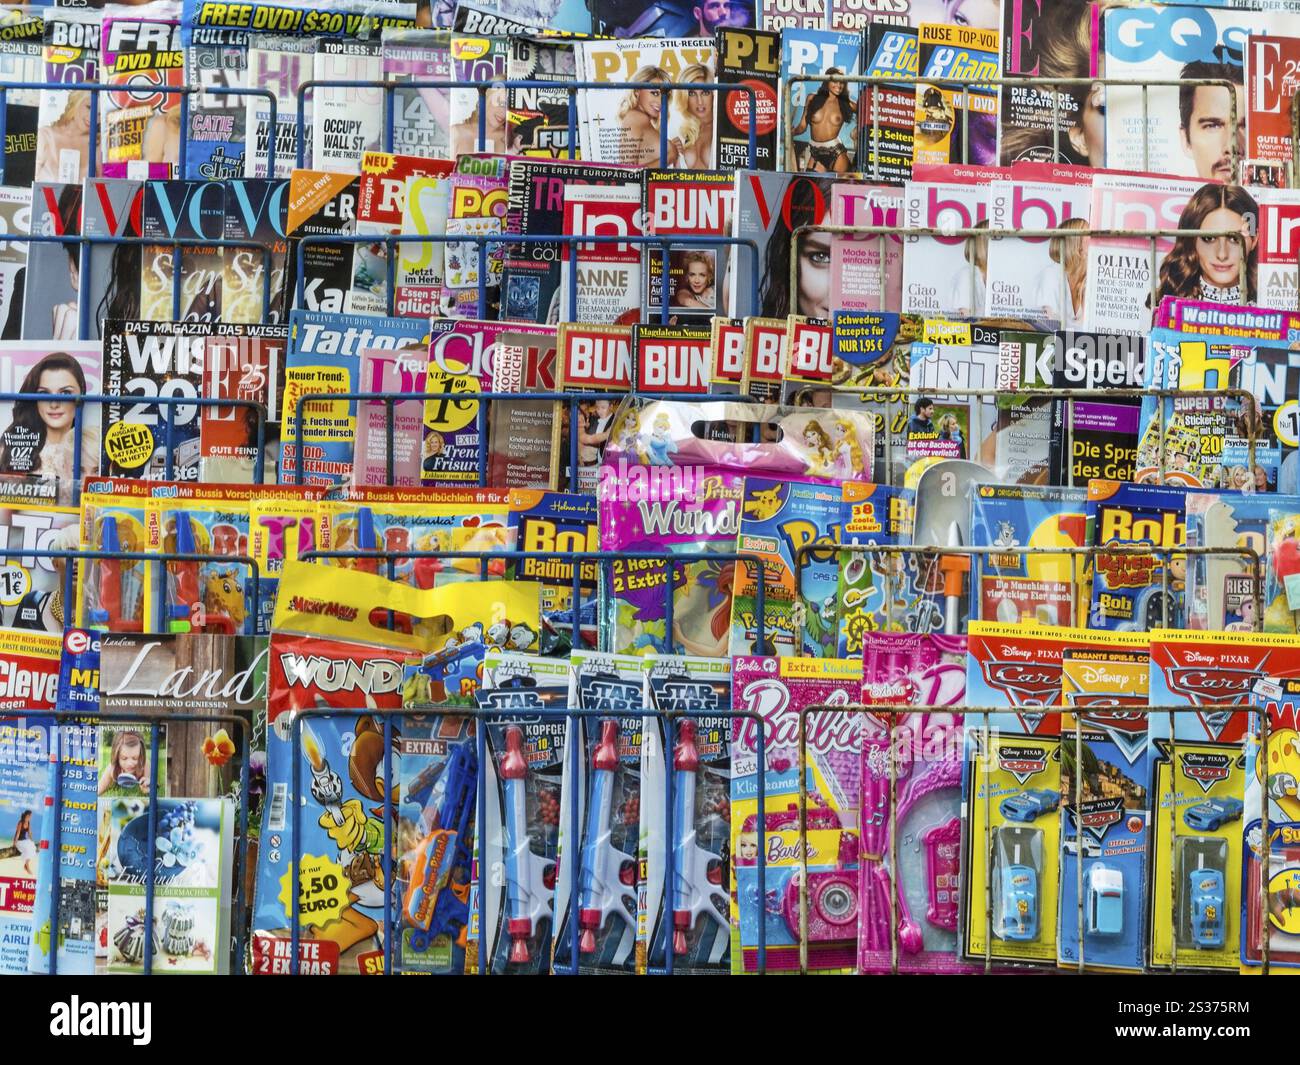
1105	777
1221	588
1132	591
516	848
1198	788
875	588
778	689
1010	880
603	776
922	891
1029	583
1272	911
778	519
342	640
689	913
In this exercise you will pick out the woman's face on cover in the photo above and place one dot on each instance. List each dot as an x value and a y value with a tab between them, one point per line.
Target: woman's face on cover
1220	257
815	275
57	383
81	116
700	104
697	277
496	102
647	100
1089	134
981	14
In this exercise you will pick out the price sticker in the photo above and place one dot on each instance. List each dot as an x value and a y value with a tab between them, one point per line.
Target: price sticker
322	890
15	583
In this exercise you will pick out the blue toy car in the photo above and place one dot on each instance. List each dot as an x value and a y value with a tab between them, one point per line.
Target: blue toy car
1105	900
1208	917
1211	814
1029	805
1019	902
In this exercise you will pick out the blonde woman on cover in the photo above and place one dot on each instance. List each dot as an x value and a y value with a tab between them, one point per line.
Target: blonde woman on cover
696	289
1068	275
640	114
62	146
694	119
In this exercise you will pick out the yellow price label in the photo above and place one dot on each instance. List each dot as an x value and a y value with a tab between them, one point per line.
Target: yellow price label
322	890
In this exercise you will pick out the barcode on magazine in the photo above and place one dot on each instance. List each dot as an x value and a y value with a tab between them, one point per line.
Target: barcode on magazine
279	800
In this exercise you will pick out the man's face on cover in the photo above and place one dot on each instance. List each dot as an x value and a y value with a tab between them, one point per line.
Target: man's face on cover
711	14
1207	138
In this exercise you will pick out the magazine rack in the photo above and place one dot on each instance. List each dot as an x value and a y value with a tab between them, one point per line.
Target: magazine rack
876	83
573	717
168	403
95	88
570	88
892	712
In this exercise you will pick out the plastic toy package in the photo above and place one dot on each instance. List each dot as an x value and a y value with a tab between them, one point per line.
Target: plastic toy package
604	779
1198	789
921	893
1279	919
874	590
517	839
345	640
688	914
777	689
396	520
801	607
1105	754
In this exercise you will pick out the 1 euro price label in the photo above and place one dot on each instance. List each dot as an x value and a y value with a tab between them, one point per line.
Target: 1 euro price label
15	584
322	890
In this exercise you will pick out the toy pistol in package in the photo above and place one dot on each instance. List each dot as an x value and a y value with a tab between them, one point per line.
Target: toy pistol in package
777	689
604	779
689	913
517	840
1277	782
117	595
342	640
